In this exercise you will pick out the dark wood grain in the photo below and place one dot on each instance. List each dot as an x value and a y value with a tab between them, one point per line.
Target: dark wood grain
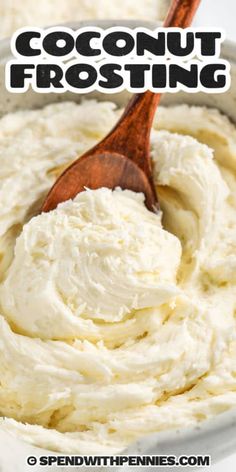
100	170
181	13
130	139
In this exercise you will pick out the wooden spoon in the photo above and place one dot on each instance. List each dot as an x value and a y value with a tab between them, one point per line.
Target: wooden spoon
122	158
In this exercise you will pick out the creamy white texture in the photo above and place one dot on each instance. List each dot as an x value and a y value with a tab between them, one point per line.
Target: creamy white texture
109	330
195	203
89	260
14	14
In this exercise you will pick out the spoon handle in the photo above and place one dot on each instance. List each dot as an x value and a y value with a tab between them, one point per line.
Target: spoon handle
181	13
131	135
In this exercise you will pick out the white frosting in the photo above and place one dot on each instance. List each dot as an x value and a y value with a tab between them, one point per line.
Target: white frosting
193	207
100	258
109	330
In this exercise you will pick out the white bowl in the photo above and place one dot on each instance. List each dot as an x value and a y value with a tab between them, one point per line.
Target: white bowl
216	437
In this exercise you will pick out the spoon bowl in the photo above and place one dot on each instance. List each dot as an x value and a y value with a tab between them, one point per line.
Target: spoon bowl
94	171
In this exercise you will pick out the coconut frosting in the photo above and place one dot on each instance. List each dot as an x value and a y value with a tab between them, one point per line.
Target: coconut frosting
116	322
